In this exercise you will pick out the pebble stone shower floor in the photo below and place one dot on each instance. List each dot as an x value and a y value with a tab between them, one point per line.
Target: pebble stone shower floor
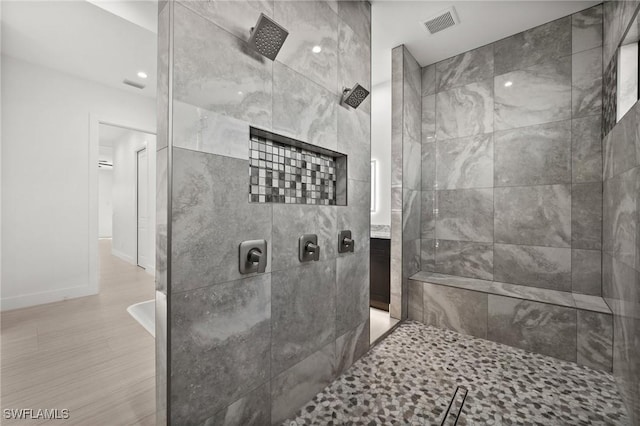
410	377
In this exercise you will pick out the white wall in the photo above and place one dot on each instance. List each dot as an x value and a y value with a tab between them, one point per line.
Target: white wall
381	151
124	243
105	202
46	175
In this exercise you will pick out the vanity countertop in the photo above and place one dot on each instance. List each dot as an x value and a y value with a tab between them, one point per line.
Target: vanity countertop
380	231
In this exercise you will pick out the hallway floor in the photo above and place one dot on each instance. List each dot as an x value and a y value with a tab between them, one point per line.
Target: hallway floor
411	376
87	355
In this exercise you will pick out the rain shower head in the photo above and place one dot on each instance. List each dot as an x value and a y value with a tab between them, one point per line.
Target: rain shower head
355	96
267	37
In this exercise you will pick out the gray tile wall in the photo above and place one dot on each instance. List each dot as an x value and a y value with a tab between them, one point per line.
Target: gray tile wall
406	178
621	218
250	349
512	158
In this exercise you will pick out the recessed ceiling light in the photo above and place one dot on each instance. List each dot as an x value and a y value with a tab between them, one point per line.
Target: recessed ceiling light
508	84
142	74
316	49
240	93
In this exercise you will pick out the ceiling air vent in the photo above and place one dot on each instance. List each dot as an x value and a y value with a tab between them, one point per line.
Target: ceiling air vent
133	84
442	21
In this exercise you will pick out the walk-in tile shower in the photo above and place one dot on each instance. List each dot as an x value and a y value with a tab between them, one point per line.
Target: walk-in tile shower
515	260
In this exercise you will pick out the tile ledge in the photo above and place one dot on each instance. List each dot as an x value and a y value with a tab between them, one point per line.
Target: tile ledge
554	297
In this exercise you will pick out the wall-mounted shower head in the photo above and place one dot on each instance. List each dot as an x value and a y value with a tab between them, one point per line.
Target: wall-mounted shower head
267	37
355	96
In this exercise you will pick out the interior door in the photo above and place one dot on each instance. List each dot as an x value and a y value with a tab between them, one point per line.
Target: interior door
142	208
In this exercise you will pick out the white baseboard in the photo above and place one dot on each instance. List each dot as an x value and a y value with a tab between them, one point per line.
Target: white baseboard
33	299
123	256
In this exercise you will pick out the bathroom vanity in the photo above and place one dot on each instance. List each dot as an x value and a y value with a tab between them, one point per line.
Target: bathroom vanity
380	281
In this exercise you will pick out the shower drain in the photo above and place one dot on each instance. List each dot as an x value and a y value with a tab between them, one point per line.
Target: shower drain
452	415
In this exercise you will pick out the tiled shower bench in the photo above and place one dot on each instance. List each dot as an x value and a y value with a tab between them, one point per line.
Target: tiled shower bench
569	326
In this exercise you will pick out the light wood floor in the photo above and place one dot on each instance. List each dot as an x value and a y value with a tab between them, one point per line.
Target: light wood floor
87	354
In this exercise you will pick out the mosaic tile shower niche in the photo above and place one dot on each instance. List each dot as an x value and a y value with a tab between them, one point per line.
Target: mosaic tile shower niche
288	171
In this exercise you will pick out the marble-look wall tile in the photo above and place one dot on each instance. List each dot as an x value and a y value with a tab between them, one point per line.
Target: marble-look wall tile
586	272
428	255
465	259
412	101
465	215
533	326
397	122
469	67
162	88
411	214
357	14
465	111
411	251
300	324
595	340
609	97
229	323
620	144
620	216
197	129
538	94
292	221
356	215
619	280
616	18
294	387
235	16
429	80
586	150
586	29
209	190
302	109
352	287
411	164
162	194
415	300
465	163
428	166
455	309
428	218
354	140
161	350
428	118
535	155
586	216
209	73
395	305
548	41
586	83
354	59
351	346
252	409
542	267
533	215
310	23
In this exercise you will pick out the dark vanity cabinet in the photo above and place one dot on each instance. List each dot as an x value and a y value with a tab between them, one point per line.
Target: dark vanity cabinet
380	282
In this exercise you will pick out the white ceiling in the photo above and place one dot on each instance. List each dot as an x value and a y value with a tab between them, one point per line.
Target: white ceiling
82	39
109	40
396	22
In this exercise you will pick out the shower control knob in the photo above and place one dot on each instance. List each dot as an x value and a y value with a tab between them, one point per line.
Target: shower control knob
254	255
308	248
345	242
